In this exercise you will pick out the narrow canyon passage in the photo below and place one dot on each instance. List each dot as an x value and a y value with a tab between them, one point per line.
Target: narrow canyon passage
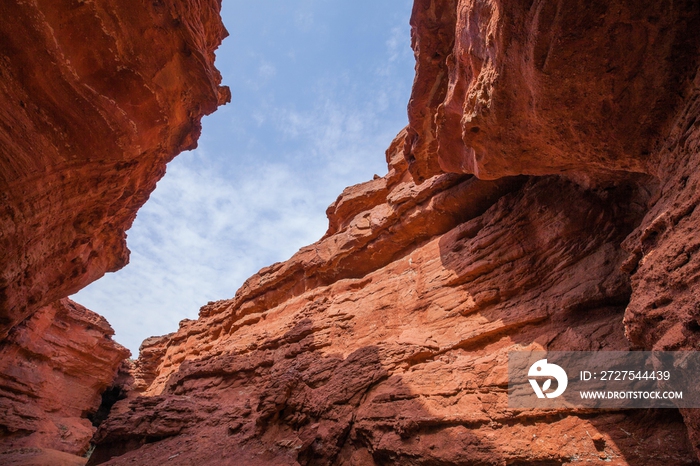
542	197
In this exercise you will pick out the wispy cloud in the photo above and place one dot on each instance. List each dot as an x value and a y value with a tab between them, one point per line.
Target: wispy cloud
198	238
227	209
266	70
304	20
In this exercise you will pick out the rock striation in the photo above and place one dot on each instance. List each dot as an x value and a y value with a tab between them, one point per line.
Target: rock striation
405	364
95	98
664	309
583	88
542	196
53	369
386	341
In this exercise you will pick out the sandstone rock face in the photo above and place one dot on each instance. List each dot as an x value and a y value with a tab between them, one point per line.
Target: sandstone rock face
95	98
386	341
664	310
53	369
405	364
508	87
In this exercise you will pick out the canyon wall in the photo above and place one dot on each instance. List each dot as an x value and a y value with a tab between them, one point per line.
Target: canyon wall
405	364
96	97
386	342
542	197
581	88
54	368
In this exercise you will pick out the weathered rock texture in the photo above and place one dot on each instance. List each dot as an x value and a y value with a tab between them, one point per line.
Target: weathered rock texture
405	364
664	310
386	341
95	97
53	369
583	87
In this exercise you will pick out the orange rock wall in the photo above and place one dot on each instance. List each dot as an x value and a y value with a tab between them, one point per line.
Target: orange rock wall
405	364
53	370
580	87
386	341
95	98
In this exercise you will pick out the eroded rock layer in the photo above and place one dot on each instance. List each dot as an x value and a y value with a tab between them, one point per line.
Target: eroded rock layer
386	341
664	309
95	97
54	368
509	87
405	364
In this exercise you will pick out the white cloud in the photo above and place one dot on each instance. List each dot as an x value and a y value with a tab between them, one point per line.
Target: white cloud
395	44
266	70
204	231
253	194
198	238
304	20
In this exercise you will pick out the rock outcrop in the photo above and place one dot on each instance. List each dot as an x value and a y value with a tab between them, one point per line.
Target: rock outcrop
95	98
54	368
543	196
405	364
582	88
664	310
386	341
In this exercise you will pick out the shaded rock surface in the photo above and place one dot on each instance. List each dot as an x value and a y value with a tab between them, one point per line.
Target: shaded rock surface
664	309
39	457
509	87
386	341
405	364
53	369
95	98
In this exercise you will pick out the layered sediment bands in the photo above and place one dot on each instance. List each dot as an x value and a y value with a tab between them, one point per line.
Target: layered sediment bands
405	364
53	369
386	341
510	87
664	311
373	224
95	98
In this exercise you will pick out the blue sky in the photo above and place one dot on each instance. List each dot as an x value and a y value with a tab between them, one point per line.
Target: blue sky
319	90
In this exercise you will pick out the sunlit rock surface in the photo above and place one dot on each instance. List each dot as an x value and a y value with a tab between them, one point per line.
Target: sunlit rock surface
54	368
542	197
386	341
579	87
405	364
95	98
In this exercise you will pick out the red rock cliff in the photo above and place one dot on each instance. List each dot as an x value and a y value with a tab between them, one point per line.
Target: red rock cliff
95	98
385	342
53	369
539	87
